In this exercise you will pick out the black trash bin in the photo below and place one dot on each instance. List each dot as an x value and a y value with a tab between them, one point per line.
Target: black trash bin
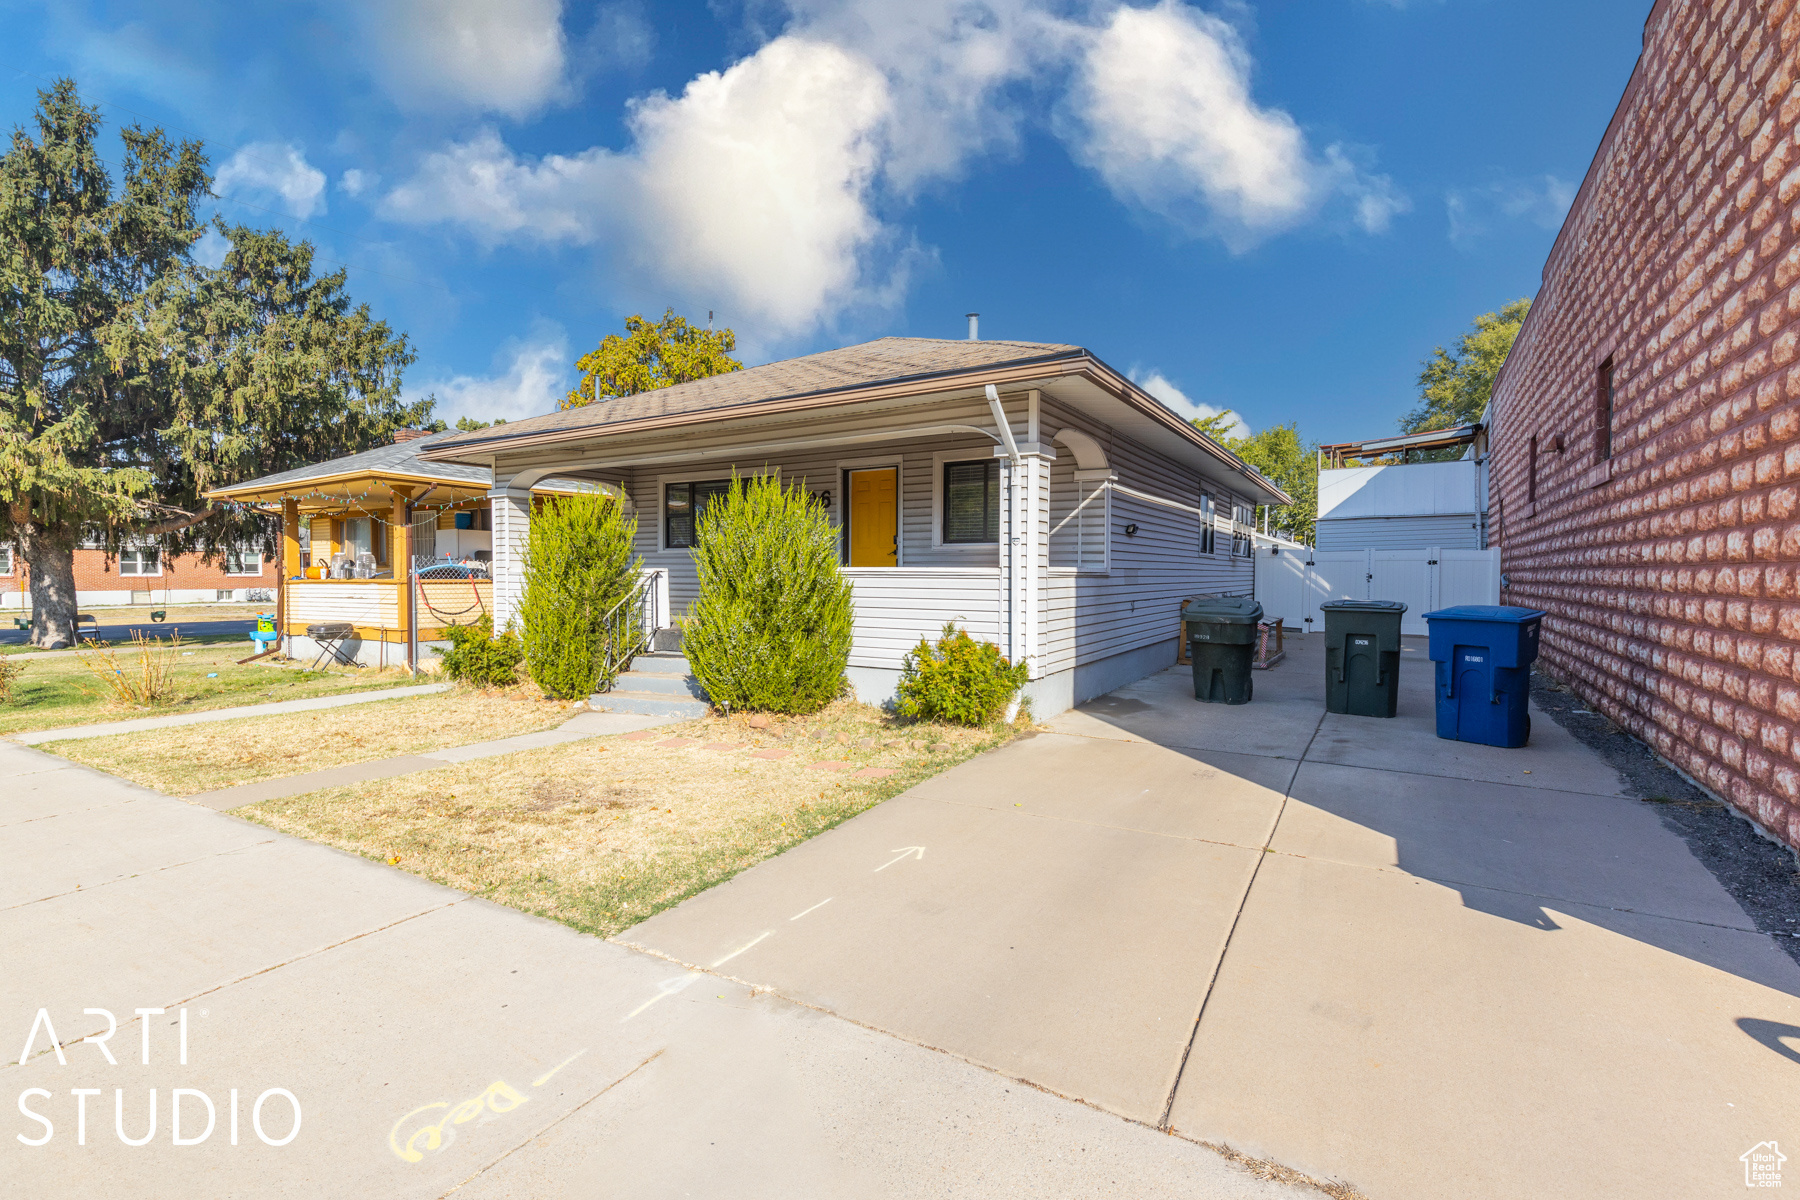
1221	634
1362	656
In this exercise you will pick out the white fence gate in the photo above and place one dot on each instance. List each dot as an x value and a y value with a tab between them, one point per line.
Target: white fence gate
1291	584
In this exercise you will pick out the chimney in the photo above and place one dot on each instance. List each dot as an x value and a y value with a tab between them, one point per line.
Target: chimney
974	327
409	435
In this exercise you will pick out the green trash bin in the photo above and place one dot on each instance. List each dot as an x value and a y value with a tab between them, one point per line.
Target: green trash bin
1362	656
1221	634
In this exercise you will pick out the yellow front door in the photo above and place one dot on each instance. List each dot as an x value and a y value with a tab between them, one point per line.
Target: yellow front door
875	518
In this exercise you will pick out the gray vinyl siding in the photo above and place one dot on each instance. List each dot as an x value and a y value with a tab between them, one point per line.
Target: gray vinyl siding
1089	616
1457	531
1095	601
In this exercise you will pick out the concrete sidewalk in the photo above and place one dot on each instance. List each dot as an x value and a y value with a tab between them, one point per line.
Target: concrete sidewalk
1426	967
578	727
438	1043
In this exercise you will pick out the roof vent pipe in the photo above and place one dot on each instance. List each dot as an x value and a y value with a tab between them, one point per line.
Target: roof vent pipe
974	327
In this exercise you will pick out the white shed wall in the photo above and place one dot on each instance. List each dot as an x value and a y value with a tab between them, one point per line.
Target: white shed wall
1460	530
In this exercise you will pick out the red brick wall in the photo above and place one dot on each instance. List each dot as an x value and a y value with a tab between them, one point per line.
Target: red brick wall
94	572
1671	572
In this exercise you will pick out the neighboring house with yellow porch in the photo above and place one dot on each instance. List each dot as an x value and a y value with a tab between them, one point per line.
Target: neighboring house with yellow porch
1025	491
381	550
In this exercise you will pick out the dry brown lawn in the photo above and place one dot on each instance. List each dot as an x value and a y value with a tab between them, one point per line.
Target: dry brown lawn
58	690
198	758
601	834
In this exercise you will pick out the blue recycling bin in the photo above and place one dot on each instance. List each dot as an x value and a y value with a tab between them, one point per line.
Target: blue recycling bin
1483	655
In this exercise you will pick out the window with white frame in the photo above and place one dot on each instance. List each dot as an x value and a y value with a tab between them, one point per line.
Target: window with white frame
1208	534
243	560
6	560
1080	515
1243	525
140	560
682	505
971	503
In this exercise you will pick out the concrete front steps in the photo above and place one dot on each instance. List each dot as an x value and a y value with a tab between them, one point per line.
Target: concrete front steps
658	685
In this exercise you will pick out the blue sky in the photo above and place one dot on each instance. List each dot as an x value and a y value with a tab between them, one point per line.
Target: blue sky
1275	207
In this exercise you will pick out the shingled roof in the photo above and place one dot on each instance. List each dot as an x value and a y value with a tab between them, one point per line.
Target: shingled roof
398	459
885	360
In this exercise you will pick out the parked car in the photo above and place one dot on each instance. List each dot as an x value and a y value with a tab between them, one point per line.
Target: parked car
450	570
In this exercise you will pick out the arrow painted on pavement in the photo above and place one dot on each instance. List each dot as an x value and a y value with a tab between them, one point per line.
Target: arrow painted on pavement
909	852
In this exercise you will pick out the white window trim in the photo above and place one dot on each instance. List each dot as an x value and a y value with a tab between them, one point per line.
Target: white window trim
9	567
252	555
1101	480
973	454
841	505
694	476
141	574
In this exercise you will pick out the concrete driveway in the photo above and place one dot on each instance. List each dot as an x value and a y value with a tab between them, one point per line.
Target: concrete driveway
1425	967
437	1043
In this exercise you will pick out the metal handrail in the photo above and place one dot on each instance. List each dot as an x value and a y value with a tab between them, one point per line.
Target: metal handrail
627	633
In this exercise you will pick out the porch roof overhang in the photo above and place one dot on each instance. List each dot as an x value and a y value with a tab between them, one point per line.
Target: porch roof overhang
363	491
1073	377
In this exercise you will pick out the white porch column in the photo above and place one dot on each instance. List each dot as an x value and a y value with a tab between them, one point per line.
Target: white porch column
512	525
1024	540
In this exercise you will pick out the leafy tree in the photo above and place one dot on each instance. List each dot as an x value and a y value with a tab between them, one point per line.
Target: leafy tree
1454	385
1218	426
651	355
470	424
1291	463
132	379
1284	459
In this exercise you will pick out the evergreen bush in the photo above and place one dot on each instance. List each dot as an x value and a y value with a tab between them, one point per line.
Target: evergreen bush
477	656
579	570
770	629
957	679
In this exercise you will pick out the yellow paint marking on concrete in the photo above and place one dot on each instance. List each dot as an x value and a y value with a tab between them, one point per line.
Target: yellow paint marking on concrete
541	1080
498	1097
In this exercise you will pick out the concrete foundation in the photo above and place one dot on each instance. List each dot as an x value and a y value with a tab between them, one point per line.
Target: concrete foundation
362	651
1050	695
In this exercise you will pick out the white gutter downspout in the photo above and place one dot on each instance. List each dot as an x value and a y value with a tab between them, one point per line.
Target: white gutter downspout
1021	589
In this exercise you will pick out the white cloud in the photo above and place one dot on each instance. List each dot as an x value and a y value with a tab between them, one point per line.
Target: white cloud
949	65
1374	199
1473	211
1162	110
748	192
768	191
211	249
470	54
355	182
535	376
274	170
1159	386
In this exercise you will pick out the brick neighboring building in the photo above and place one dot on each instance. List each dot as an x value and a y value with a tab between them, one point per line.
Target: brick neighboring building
139	578
1645	430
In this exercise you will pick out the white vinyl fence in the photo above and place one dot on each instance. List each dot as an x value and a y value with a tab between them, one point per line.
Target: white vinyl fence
1291	584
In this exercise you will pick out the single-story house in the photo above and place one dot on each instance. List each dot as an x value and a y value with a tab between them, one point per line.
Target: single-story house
1025	491
347	522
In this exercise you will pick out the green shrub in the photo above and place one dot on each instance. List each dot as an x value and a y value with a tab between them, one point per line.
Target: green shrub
770	629
957	679
477	656
579	570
